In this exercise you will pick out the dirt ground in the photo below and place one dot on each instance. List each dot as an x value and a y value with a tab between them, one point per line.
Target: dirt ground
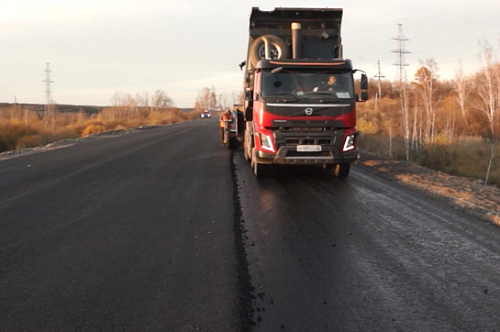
468	194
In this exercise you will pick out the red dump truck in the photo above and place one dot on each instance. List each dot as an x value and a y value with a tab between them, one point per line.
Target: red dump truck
300	97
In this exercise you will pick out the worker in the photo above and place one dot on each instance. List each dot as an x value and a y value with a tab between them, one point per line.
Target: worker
226	116
331	84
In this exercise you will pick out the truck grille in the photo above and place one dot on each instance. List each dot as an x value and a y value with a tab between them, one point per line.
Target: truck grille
308	137
291	154
308	141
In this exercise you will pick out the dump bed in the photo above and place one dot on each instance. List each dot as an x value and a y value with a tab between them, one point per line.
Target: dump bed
317	34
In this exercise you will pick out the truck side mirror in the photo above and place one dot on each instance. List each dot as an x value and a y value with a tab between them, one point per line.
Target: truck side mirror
363	84
363	96
249	95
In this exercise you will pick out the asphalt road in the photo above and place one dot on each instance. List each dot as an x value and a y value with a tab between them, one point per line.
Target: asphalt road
165	230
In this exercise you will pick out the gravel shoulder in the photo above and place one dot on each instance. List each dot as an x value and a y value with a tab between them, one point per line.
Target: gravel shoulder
462	193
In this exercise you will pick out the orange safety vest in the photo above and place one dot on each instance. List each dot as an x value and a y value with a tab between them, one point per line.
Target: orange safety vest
225	117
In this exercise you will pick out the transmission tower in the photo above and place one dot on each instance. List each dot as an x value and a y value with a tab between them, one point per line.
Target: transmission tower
48	99
378	76
400	53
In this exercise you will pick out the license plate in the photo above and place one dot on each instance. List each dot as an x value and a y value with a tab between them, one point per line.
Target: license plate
308	148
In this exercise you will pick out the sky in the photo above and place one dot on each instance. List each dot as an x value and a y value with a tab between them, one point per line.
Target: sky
97	48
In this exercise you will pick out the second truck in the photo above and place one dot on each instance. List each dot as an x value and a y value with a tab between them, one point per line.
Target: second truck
300	96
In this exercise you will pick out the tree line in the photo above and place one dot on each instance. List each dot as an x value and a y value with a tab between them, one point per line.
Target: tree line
22	127
428	118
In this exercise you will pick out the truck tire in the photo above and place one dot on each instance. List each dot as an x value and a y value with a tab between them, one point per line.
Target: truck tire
259	170
342	170
248	142
245	151
232	143
257	51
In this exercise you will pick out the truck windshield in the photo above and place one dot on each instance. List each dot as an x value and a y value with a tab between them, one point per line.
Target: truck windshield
308	83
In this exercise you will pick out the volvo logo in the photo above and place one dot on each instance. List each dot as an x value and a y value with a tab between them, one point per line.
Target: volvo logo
309	111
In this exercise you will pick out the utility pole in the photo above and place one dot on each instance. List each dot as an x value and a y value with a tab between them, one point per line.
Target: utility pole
400	52
378	76
48	100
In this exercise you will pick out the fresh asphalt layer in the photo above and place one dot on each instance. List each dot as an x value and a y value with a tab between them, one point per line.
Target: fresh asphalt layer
166	230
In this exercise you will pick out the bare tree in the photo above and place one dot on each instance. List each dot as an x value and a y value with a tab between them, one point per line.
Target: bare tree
416	137
130	104
405	111
142	101
117	104
161	100
241	97
426	80
487	85
207	98
462	89
212	98
224	101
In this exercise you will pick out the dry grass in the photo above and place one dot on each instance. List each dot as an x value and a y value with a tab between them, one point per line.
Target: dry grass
466	157
21	128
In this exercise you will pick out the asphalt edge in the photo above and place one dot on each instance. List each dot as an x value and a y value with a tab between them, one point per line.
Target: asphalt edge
245	288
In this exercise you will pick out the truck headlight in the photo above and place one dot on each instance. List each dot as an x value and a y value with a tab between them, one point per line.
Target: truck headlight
349	142
265	142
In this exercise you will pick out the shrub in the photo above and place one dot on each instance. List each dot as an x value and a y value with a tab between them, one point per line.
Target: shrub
11	133
167	117
366	127
93	129
31	141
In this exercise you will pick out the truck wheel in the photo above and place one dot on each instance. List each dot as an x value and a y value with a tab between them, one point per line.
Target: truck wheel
259	170
257	51
245	151
342	170
248	142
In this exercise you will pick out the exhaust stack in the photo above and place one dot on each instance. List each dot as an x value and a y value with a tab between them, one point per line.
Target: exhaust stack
296	40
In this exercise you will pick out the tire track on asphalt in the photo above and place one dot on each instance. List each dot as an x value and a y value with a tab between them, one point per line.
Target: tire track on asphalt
245	288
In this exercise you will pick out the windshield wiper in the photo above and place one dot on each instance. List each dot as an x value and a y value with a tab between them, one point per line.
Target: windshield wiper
288	96
323	93
281	94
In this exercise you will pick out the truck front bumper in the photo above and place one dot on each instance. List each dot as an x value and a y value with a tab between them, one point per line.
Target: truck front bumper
289	155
